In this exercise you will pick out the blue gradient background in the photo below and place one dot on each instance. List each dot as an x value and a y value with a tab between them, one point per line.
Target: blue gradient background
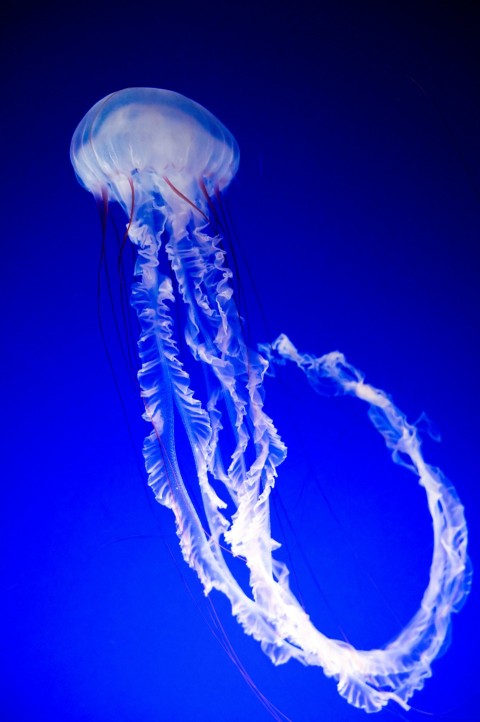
357	210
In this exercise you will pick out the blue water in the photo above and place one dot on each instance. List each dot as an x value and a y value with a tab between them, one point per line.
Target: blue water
356	210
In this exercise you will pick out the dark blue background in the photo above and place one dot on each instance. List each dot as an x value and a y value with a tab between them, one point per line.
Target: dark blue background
357	210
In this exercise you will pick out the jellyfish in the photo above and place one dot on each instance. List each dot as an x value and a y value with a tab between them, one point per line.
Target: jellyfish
164	159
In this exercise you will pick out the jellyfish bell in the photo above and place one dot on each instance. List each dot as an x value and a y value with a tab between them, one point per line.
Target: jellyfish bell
162	157
156	139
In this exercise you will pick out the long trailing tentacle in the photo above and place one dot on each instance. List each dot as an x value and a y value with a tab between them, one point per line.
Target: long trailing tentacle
213	332
373	677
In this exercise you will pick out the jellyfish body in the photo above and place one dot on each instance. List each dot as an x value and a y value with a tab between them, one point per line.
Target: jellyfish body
162	157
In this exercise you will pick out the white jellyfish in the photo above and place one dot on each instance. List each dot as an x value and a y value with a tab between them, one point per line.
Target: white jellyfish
163	158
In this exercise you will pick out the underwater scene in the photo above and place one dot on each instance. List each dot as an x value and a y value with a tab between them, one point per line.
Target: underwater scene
240	347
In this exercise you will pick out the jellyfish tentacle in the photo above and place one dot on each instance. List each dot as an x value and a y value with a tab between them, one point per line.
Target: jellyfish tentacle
400	669
165	383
